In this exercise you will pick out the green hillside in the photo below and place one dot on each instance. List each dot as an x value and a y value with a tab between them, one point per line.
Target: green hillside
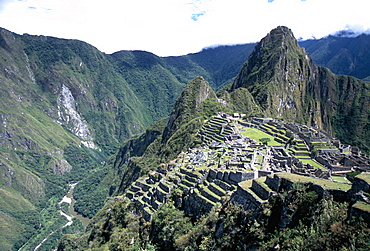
194	185
66	107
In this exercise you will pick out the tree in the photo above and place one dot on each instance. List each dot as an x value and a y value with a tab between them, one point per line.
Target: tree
265	140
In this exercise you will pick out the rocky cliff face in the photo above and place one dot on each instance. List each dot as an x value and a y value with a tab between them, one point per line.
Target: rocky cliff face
279	74
287	84
60	100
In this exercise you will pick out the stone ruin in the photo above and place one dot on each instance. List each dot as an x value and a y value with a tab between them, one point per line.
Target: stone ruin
237	168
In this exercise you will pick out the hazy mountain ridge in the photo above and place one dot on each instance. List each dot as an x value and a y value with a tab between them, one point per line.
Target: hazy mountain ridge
343	55
282	71
55	93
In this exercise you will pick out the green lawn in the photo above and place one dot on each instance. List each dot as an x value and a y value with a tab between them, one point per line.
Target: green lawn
340	179
256	134
364	176
327	184
312	163
362	205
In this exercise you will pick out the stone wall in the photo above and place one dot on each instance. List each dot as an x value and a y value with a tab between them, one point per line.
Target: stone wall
360	184
249	200
260	190
240	176
273	182
357	212
264	173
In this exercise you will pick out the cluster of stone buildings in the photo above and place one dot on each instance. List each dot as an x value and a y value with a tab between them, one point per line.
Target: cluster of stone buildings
230	166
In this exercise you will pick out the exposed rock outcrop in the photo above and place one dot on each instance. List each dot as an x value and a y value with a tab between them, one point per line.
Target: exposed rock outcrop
287	84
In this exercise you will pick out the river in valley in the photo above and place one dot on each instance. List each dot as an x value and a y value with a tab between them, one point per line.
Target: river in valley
68	198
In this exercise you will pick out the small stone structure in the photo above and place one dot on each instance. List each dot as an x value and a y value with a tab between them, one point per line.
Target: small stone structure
233	167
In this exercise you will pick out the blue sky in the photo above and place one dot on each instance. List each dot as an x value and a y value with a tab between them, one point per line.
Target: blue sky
178	27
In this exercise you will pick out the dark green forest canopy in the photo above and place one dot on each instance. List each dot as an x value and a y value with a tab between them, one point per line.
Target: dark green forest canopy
117	97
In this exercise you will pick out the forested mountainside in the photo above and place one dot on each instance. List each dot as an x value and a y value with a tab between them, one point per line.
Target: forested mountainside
287	84
66	107
201	181
341	54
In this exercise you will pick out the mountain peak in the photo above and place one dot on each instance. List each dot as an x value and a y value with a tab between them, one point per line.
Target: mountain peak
188	104
277	74
278	44
279	34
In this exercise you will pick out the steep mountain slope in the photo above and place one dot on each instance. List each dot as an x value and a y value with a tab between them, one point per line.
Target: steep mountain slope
65	106
341	54
278	80
175	134
38	155
287	84
277	74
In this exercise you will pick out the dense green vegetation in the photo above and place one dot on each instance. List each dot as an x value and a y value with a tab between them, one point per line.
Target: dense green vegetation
117	96
292	220
341	54
313	223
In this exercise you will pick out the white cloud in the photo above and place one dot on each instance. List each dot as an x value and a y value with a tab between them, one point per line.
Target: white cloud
176	27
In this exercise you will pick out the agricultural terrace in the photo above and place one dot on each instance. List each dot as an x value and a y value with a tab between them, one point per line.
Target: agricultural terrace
257	134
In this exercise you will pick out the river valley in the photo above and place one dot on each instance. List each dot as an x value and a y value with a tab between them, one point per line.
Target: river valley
68	198
58	218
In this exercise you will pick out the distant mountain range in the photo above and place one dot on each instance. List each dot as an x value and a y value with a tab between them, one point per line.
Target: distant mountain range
65	107
185	186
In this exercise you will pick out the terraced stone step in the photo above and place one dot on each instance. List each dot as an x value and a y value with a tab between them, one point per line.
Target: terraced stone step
267	130
140	203
246	188
210	132
191	179
190	173
130	195
218	122
204	199
300	148
139	193
210	195
156	204
134	188
160	194
165	187
183	188
219	119
187	183
261	189
303	157
149	210
143	185
214	136
281	137
180	176
146	199
301	153
213	129
216	189
147	213
224	185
